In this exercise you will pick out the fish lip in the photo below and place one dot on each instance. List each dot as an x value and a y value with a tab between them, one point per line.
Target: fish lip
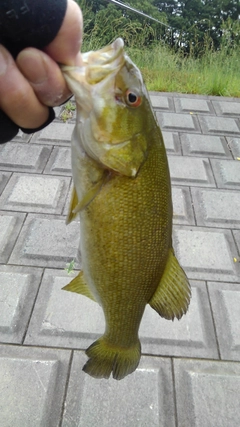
98	67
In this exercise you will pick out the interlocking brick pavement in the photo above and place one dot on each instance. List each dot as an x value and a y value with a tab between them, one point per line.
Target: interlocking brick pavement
189	374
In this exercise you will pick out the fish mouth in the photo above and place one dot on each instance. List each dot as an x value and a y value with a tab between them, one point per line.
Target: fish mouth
99	64
97	67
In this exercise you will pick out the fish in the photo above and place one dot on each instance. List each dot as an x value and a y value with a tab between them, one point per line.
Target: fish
122	193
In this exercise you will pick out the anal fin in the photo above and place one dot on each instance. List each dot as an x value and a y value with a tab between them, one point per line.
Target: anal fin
79	285
171	298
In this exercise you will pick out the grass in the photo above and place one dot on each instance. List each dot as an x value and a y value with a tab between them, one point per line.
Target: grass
67	112
214	73
164	70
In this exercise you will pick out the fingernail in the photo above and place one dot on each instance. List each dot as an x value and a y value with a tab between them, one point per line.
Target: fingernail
3	60
32	65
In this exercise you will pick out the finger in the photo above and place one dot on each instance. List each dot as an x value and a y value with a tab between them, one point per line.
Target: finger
17	98
44	75
66	45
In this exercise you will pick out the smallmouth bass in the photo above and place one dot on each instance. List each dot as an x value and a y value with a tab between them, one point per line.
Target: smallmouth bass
122	193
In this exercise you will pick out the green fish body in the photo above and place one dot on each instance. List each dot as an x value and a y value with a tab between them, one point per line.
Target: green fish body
122	192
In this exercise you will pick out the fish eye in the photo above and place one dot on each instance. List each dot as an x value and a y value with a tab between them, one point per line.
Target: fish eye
133	99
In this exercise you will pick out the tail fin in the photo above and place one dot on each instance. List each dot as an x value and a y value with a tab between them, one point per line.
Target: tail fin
105	358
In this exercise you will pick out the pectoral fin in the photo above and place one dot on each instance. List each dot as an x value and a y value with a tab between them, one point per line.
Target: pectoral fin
79	285
77	205
172	297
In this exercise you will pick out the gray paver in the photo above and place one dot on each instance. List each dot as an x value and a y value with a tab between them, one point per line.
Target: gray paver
192	105
225	301
178	122
63	319
206	253
23	157
59	162
164	103
205	145
237	238
216	208
22	137
68	199
4	177
227	108
218	125
207	393
10	225
234	146
144	398
35	193
172	142
46	241
54	134
227	173
32	385
182	206
191	171
18	289
192	336
83	322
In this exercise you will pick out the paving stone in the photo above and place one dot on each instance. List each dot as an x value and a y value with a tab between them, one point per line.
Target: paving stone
10	225
46	241
218	125
144	398
63	319
19	286
4	177
237	238
178	122
59	162
68	199
191	171
207	393
225	301
54	134
234	146
188	105
182	206
164	103
193	335
22	137
227	173
204	145
172	142
23	157
35	193
227	108
216	208
206	253
32	386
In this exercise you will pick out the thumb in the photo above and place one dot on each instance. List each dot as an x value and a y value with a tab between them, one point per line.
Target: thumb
65	48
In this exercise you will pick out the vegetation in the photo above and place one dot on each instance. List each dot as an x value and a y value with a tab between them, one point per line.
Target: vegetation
67	112
200	53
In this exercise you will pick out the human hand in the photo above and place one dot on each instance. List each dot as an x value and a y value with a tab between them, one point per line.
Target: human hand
34	82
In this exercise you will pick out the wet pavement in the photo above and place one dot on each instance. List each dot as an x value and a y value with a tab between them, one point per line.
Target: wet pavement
189	374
